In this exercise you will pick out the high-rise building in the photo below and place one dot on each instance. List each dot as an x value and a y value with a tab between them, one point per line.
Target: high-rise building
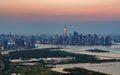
65	37
108	41
5	44
65	31
19	43
32	41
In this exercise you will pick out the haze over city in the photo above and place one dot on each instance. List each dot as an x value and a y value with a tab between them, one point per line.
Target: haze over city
59	37
50	16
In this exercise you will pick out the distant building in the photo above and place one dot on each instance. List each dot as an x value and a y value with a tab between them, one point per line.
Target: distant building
65	31
5	44
108	41
19	43
65	38
32	42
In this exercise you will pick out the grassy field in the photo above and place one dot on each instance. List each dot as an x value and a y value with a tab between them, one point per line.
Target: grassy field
34	70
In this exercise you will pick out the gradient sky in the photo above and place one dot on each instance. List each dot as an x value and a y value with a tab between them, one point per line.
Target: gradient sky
50	16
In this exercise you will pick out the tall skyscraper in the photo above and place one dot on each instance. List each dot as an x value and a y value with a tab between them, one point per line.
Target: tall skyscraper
19	42
65	31
33	41
5	44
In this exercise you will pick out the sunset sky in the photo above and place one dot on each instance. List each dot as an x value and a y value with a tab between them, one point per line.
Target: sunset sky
50	16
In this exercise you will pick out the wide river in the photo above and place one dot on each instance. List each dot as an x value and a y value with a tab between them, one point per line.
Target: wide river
109	68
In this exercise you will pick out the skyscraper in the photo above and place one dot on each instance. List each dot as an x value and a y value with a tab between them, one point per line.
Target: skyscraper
33	41
65	31
5	44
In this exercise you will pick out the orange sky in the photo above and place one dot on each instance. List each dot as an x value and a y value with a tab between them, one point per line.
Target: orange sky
65	8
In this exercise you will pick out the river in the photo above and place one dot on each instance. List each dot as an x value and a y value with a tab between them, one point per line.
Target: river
109	68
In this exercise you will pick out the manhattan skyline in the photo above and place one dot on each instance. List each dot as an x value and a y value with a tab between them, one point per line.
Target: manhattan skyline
50	16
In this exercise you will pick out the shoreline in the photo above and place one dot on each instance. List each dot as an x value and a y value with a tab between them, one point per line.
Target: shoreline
89	66
108	67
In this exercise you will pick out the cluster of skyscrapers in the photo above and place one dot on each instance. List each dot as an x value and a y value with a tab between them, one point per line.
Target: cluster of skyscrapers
77	39
11	41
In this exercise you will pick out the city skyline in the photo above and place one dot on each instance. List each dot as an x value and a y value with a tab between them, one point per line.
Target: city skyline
50	16
58	29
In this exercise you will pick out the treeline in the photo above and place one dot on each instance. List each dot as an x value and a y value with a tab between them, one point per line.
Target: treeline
53	53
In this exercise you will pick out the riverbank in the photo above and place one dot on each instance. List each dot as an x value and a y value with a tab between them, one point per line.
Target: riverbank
74	52
108	68
38	70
